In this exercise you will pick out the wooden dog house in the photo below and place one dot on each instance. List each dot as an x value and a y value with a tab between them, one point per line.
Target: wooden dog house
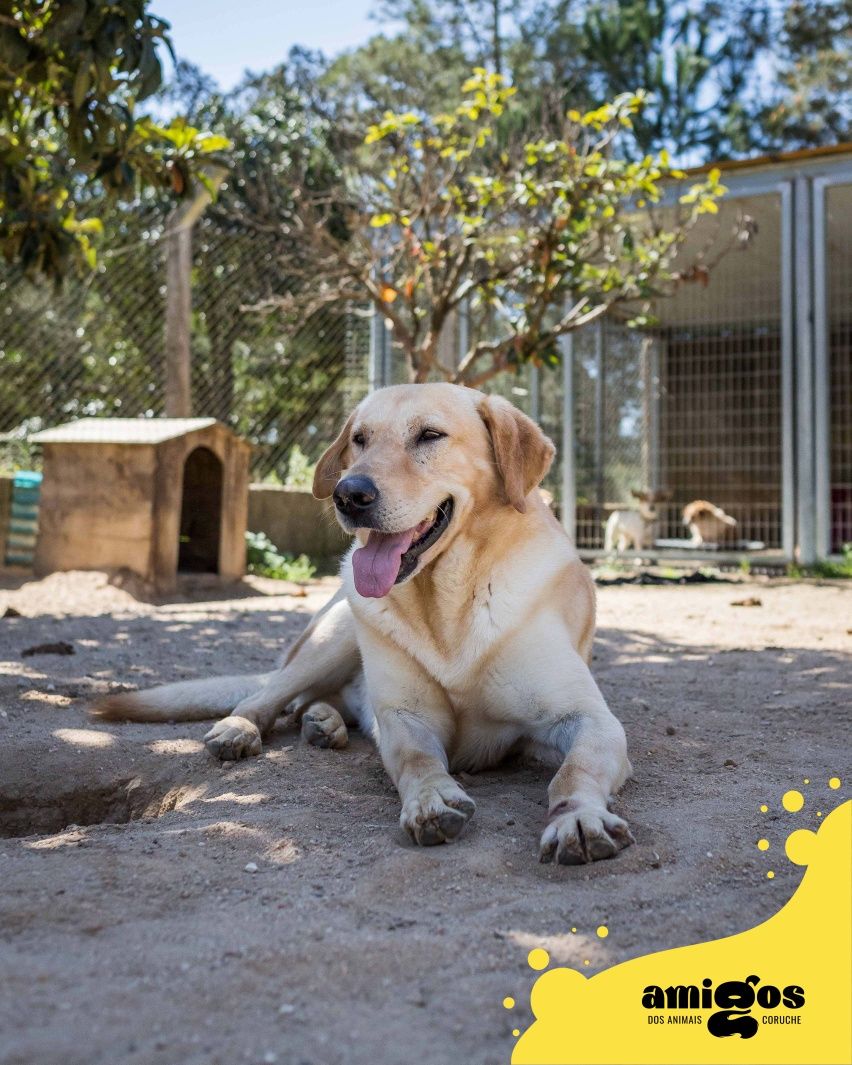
156	496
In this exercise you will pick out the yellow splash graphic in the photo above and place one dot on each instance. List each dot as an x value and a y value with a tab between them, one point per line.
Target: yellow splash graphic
806	947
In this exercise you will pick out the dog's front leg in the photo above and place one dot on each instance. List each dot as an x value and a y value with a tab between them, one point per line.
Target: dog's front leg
591	741
414	726
434	807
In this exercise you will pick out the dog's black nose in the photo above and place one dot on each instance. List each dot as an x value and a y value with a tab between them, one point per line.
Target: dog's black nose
353	495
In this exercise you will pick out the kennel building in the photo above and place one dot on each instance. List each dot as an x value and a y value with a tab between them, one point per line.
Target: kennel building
156	496
741	392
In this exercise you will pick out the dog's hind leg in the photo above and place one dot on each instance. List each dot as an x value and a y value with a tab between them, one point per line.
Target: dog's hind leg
323	660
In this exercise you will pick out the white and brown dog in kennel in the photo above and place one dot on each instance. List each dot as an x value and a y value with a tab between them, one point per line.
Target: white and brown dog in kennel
632	529
462	631
708	524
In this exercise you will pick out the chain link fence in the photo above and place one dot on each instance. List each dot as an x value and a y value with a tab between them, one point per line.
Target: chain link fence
96	347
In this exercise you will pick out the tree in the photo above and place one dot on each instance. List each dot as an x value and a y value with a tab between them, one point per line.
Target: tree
532	44
71	78
532	237
695	60
813	99
242	367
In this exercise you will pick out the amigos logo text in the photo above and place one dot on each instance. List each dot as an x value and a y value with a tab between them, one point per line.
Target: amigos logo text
733	1003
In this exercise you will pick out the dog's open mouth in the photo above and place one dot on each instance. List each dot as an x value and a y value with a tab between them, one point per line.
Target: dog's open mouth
390	558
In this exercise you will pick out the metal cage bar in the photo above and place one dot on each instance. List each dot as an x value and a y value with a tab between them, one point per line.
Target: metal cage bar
823	356
802	243
788	452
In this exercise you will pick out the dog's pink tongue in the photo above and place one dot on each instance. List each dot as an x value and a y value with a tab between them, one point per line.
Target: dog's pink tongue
376	564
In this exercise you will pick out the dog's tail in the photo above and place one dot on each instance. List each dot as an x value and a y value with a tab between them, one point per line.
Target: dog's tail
187	700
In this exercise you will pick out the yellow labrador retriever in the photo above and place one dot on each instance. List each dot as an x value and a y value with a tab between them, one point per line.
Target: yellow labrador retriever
462	631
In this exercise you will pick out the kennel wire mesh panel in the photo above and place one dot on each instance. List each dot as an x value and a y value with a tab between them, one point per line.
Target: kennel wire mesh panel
720	396
285	390
694	405
833	342
613	426
93	347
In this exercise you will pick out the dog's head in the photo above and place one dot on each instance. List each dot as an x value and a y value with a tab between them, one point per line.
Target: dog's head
647	499
415	463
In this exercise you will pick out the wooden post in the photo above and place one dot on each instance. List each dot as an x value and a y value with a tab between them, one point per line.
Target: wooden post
178	317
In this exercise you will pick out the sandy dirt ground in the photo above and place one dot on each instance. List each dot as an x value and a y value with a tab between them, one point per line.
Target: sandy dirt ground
132	928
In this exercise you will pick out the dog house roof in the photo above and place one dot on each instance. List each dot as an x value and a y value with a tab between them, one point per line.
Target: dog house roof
121	430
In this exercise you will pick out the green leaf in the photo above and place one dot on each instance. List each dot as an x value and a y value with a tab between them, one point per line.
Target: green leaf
211	142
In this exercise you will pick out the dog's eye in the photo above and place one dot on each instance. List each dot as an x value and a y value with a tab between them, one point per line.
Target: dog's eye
427	435
359	439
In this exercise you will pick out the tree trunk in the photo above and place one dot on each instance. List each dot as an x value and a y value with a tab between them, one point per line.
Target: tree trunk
178	312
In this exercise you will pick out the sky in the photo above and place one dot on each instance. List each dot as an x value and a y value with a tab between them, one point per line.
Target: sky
226	37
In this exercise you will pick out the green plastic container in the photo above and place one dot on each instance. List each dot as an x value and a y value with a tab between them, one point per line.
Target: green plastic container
23	519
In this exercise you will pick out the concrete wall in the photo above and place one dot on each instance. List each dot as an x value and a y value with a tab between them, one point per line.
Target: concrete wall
294	521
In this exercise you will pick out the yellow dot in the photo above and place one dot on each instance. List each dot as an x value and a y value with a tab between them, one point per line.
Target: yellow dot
603	931
516	1031
538	959
508	1003
764	808
763	844
770	875
834	783
806	781
573	929
819	813
800	846
792	801
586	961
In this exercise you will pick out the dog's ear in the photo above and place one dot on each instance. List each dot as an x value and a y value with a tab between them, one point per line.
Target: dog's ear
333	462
522	452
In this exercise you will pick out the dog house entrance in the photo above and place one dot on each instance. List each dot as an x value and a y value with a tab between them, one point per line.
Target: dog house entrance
201	513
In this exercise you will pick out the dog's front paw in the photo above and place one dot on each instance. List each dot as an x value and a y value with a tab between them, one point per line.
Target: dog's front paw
232	738
436	811
584	834
322	726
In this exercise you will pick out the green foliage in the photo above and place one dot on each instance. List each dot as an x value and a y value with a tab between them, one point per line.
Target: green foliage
299	473
813	99
16	453
300	469
825	568
264	559
695	60
727	80
71	77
